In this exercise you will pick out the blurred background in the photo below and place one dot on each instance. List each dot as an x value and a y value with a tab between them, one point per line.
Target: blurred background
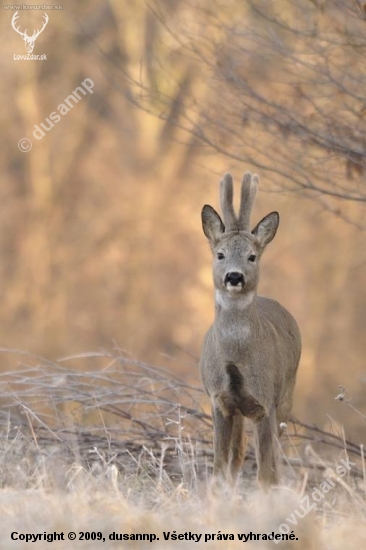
101	243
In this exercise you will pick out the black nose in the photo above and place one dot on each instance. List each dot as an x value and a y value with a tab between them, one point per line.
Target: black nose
234	278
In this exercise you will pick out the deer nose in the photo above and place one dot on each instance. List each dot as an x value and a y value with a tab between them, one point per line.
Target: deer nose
234	278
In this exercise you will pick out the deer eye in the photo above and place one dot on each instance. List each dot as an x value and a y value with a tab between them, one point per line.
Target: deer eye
252	258
220	256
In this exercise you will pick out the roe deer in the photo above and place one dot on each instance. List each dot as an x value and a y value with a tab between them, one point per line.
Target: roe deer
251	352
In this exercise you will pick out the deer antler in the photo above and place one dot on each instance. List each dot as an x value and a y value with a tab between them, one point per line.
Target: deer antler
248	192
37	33
13	21
24	34
227	207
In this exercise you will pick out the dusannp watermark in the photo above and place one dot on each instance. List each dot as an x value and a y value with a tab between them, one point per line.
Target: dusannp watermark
310	502
24	145
53	118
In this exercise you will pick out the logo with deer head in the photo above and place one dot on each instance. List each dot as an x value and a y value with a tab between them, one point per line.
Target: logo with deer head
29	40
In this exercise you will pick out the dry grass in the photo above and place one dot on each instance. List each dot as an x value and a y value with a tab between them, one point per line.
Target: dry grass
124	447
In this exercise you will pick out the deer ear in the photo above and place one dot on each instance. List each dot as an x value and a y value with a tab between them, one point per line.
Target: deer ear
212	224
266	229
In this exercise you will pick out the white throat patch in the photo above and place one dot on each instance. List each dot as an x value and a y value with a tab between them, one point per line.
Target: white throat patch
232	299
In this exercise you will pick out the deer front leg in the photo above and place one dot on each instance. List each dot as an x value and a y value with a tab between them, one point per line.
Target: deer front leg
238	445
265	449
223	427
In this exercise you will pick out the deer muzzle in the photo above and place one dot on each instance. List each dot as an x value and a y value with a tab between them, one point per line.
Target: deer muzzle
234	280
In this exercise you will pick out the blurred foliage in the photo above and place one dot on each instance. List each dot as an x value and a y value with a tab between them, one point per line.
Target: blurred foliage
100	232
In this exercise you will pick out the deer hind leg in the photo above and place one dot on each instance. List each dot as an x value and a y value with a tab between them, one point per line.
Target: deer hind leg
284	410
266	434
238	445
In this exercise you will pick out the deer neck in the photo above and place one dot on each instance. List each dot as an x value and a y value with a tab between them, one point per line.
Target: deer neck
236	321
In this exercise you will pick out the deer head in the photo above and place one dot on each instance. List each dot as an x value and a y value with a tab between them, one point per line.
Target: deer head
237	249
29	40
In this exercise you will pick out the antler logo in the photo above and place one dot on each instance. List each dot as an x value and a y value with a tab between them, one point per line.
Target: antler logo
29	40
